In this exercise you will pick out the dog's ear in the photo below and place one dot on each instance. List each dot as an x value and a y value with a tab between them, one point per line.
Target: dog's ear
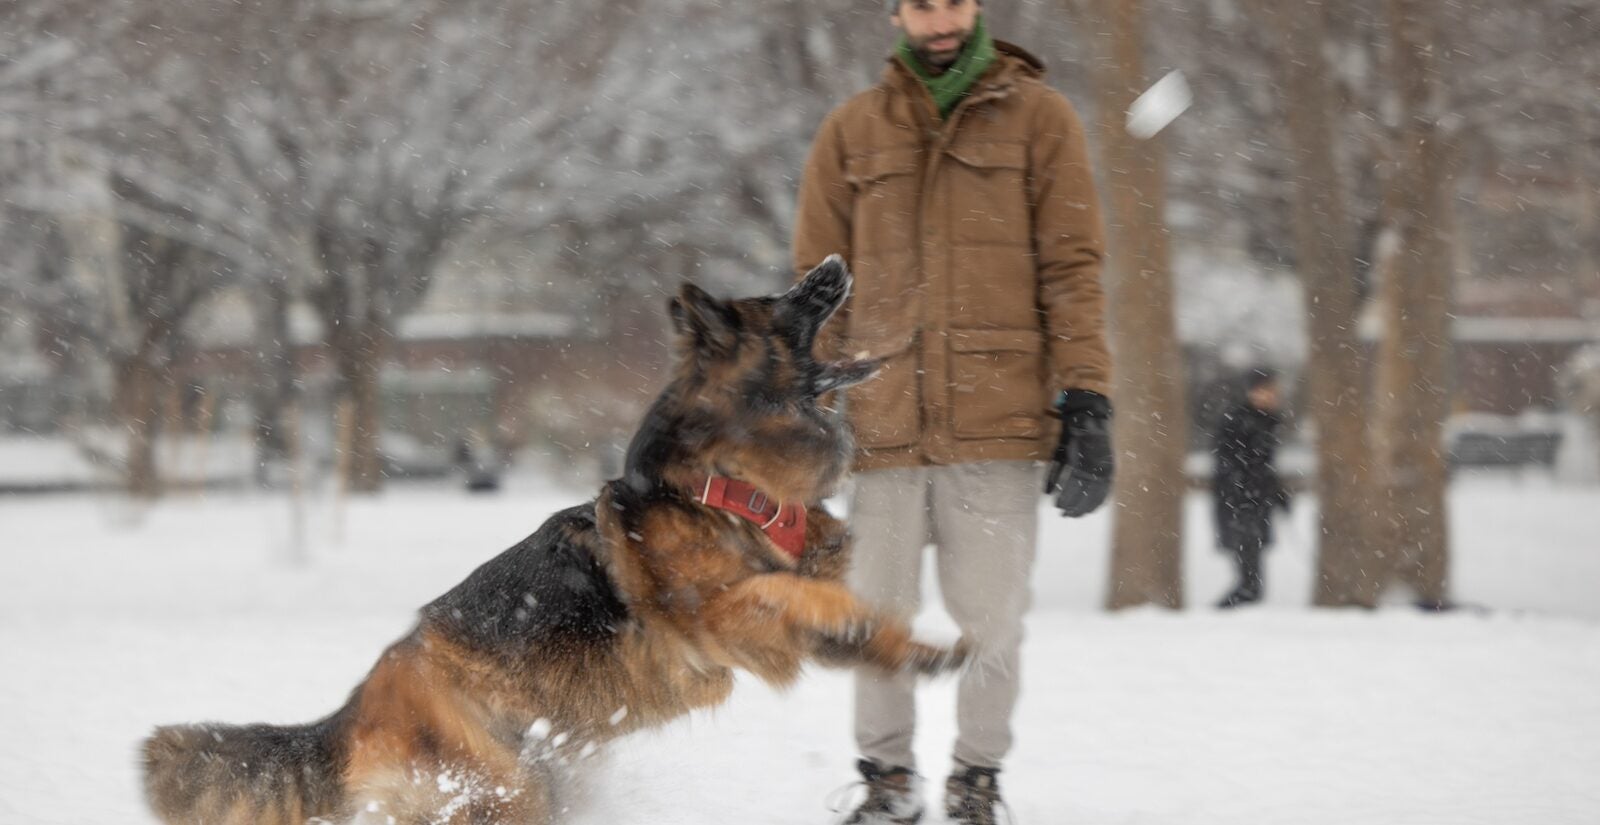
820	293
708	323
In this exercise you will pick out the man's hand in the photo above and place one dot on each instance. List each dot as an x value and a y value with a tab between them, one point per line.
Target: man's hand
1082	465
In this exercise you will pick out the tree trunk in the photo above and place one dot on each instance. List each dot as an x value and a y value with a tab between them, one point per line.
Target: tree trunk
1414	357
360	350
1150	431
275	389
138	406
1346	553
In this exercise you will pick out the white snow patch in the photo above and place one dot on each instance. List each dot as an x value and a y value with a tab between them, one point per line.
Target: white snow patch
1279	714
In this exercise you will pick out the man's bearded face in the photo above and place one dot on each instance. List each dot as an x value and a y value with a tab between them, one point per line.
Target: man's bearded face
939	50
937	30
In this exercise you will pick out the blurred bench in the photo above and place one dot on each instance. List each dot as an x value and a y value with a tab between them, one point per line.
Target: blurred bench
1481	449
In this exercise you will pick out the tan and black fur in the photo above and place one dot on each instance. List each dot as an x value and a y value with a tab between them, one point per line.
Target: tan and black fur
616	615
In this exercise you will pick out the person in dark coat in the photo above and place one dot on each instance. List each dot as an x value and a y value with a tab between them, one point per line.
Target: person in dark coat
1245	485
479	461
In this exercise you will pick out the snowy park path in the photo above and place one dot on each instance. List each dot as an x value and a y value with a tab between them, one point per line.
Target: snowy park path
1276	715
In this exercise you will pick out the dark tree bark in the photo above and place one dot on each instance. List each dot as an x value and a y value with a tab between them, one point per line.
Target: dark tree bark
1150	431
138	408
1414	357
158	282
275	388
360	336
1346	552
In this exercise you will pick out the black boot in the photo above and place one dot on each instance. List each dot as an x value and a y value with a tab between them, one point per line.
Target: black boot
1247	559
894	796
972	795
1239	597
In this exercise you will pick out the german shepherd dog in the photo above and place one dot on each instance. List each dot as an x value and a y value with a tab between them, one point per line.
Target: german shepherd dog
616	615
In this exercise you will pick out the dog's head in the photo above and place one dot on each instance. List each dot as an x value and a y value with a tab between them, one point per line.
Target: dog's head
762	348
745	398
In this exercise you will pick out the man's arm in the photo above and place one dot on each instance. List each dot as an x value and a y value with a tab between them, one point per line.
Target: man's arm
822	220
1069	239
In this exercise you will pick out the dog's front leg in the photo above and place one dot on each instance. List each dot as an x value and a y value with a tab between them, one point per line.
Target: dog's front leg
827	549
829	619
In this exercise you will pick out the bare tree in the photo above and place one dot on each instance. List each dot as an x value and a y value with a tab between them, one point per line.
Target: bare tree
51	71
1346	552
371	136
107	292
162	282
1151	429
1413	382
123	293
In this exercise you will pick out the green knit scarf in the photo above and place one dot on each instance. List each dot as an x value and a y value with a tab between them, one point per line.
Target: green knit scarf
949	86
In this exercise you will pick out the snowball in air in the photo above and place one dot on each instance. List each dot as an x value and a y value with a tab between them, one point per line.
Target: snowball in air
1159	105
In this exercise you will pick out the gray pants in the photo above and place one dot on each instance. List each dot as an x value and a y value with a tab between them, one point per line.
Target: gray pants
983	521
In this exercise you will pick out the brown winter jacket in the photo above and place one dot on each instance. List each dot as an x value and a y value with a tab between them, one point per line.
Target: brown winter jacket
976	248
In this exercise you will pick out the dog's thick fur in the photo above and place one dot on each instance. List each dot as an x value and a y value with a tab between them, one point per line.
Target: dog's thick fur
615	615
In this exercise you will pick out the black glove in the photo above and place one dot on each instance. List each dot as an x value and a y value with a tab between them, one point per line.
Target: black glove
1081	467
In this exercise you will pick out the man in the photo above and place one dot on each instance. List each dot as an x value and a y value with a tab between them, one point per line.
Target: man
960	192
1245	484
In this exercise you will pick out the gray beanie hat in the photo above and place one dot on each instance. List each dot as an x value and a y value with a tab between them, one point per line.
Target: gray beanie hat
893	6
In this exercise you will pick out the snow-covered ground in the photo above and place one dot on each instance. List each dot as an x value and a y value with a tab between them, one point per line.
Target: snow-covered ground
1273	715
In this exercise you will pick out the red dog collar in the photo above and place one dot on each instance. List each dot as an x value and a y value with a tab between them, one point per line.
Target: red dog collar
784	524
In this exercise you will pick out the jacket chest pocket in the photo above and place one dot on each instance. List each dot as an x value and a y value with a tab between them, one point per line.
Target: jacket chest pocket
995	379
988	194
885	208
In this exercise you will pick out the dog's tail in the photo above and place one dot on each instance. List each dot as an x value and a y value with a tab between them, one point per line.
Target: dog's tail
244	774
